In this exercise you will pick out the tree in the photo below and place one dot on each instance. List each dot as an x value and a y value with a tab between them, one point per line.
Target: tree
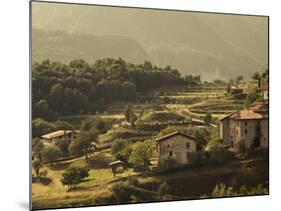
56	96
240	146
128	90
73	176
51	153
41	108
239	79
37	147
122	192
86	125
40	127
62	125
217	151
164	189
142	152
250	98
208	118
121	150
63	145
257	76
37	165
228	88
83	143
130	116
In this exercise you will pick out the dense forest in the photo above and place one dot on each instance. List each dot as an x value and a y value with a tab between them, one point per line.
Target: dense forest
78	87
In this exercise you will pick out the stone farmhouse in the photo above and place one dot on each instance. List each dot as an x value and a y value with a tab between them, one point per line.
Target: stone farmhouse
177	146
250	125
59	135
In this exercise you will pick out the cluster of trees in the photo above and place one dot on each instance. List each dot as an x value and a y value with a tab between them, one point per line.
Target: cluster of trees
78	87
84	143
137	154
130	191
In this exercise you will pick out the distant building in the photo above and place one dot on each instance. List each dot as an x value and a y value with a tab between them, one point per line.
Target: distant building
264	91
249	86
250	125
59	135
177	146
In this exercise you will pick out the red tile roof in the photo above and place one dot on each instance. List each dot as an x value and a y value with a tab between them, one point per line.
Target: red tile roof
257	110
264	87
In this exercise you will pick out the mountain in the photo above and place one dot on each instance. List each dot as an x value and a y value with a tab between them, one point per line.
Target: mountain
213	45
64	47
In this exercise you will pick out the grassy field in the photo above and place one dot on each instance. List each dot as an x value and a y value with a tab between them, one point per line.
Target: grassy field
54	194
218	108
186	183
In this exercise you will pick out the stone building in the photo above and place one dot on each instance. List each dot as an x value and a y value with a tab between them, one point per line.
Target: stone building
59	135
177	146
249	125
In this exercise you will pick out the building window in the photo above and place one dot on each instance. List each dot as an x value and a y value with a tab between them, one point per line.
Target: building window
245	123
170	153
246	131
168	145
187	145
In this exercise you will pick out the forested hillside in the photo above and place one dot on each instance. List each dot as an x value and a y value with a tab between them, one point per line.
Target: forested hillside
79	88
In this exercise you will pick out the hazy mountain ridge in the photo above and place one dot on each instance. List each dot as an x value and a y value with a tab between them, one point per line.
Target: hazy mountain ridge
193	42
64	47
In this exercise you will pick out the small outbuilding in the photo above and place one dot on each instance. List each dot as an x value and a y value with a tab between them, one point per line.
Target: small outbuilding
60	134
115	165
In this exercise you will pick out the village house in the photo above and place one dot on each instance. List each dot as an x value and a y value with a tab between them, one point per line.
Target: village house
264	91
177	146
249	125
249	86
59	135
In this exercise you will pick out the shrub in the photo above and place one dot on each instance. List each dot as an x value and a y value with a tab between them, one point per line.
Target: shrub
168	163
240	146
122	192
51	153
119	170
43	173
142	152
164	189
208	118
133	180
217	152
73	176
221	190
36	164
121	149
